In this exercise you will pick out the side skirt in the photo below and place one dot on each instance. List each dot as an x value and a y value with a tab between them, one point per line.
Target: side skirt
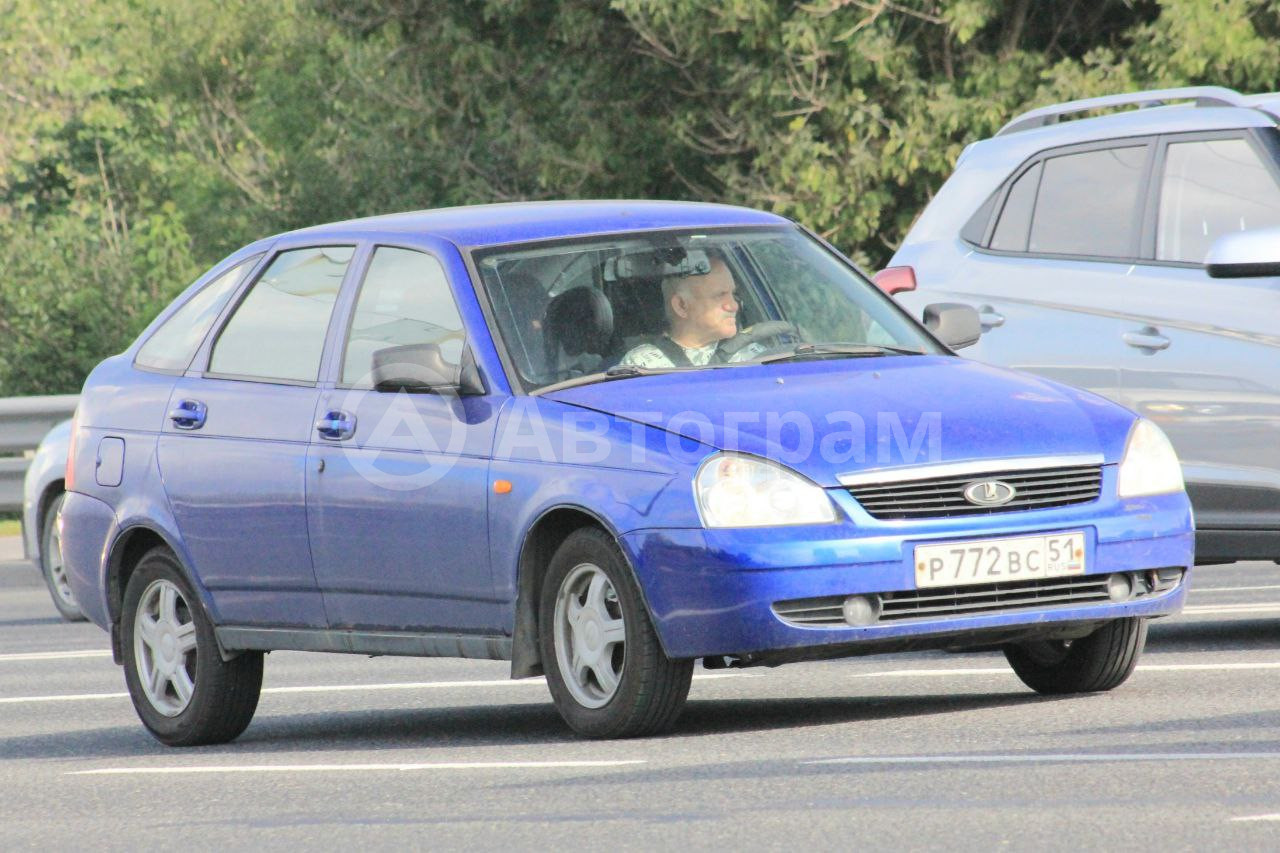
237	639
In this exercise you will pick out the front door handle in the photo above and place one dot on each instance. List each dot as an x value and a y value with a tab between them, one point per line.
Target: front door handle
188	414
336	426
1147	338
989	317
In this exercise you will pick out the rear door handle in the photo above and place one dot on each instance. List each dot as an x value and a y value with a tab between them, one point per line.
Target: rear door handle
989	317
336	426
188	414
1146	338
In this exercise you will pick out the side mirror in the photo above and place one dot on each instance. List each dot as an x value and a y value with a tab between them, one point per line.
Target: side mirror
421	368
955	324
1245	254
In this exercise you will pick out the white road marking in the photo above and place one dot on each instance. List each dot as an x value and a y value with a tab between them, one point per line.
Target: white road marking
1046	757
1195	589
1244	818
83	653
348	768
62	697
1229	609
1004	670
347	688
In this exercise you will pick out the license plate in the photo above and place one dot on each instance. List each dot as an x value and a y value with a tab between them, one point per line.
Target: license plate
994	560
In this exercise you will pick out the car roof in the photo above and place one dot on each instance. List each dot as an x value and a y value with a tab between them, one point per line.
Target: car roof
984	165
1148	121
518	222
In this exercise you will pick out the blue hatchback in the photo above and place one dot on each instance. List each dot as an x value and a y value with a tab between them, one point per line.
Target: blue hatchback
602	440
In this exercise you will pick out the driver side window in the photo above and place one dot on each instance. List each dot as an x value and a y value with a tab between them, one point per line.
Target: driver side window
404	299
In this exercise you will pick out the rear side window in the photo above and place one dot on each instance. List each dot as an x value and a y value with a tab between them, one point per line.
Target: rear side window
1014	226
278	331
1211	188
172	346
405	299
1088	203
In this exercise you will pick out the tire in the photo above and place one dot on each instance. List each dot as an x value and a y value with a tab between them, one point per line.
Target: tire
624	684
51	565
1101	661
182	658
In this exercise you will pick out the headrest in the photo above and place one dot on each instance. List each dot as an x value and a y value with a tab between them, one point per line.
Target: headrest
525	295
581	321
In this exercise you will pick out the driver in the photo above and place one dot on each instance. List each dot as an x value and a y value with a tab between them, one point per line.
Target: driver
702	313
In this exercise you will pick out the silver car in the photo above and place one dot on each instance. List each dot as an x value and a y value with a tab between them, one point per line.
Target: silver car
1134	254
42	494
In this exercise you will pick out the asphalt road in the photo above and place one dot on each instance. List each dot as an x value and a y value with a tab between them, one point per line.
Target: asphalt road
925	751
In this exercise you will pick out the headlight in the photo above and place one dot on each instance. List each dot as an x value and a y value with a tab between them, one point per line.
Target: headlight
745	491
1150	465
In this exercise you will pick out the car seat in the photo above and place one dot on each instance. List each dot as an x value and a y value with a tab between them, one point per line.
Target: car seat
578	332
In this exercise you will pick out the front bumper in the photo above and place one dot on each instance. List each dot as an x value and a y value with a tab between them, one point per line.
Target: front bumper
711	592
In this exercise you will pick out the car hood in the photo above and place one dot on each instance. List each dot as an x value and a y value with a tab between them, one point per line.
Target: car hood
842	416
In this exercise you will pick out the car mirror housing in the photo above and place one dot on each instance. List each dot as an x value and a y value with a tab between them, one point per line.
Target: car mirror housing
1245	254
422	368
955	324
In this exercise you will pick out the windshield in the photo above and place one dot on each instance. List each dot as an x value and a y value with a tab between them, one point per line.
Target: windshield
661	301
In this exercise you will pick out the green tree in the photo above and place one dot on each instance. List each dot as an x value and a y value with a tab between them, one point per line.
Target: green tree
141	140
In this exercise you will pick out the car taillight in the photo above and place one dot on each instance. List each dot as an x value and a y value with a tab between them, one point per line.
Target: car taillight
895	279
69	476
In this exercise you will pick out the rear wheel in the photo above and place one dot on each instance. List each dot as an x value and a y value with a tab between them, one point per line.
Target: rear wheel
52	567
608	675
184	692
1100	661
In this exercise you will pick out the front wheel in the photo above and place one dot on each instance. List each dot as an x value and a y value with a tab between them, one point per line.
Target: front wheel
184	692
608	675
1100	661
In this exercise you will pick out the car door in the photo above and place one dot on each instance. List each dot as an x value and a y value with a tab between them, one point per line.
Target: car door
397	482
233	449
1211	376
1065	237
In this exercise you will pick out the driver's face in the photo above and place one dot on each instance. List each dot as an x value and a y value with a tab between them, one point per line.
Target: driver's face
709	306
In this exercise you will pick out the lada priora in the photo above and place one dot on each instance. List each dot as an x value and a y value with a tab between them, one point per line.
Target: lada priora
602	440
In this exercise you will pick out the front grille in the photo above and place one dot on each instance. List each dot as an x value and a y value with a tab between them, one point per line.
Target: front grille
979	599
939	497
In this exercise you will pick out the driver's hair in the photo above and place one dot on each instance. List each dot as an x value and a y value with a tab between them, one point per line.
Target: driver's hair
683	285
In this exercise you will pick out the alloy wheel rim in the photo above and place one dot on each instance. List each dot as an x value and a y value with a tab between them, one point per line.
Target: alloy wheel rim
590	636
164	645
57	568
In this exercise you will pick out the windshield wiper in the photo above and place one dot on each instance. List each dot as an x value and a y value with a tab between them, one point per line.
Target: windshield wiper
850	350
619	371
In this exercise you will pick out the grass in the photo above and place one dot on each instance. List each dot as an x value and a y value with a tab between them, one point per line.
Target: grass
10	527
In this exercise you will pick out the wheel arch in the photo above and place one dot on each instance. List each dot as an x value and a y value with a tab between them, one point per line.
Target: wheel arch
128	547
543	537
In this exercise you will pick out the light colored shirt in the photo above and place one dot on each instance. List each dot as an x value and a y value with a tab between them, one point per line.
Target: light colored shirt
648	355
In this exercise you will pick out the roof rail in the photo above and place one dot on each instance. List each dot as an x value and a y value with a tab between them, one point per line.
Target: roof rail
1204	96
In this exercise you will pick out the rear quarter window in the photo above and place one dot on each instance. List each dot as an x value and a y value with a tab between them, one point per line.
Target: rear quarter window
174	344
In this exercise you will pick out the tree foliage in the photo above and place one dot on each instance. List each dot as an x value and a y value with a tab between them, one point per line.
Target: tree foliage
141	140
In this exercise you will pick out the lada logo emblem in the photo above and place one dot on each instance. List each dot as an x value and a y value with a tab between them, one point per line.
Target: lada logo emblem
989	493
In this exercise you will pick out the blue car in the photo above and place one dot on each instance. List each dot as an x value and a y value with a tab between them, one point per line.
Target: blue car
603	440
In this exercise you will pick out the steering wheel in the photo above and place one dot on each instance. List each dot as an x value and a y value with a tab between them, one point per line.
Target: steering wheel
759	332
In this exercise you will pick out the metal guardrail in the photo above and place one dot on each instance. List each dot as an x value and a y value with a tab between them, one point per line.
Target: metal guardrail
23	422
